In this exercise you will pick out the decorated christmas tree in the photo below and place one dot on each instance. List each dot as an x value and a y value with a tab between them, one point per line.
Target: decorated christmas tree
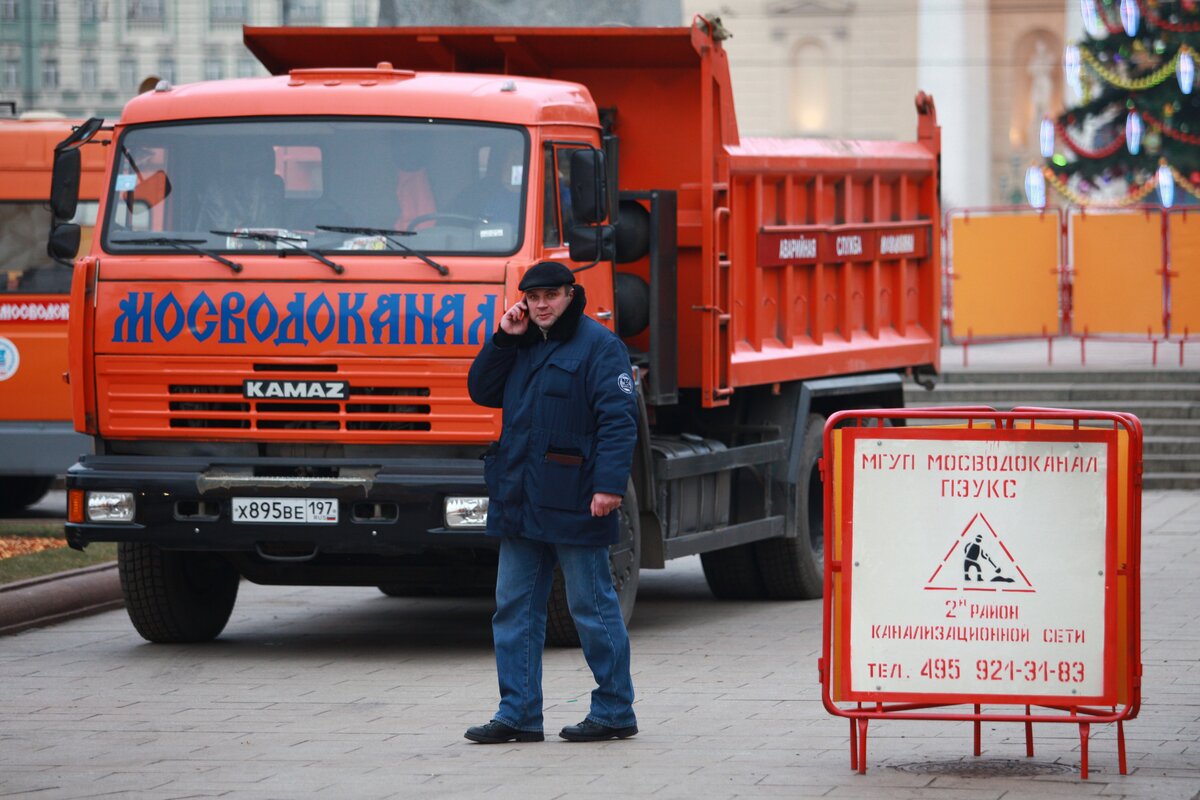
1133	135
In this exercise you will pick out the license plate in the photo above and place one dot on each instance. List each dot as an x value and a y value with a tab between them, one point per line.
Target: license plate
293	510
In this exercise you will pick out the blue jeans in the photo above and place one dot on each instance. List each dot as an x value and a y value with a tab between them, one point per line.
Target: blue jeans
523	582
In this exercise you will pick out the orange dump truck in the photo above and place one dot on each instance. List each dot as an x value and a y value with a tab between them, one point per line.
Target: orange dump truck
37	437
272	331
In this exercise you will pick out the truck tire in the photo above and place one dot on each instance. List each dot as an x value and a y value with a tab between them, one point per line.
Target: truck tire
174	596
732	573
624	559
18	492
793	568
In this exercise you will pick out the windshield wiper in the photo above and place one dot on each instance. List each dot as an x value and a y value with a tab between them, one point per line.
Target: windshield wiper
183	244
290	241
387	234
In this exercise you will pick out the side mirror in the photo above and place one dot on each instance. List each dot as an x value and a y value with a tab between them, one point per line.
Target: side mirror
63	244
64	182
593	244
589	186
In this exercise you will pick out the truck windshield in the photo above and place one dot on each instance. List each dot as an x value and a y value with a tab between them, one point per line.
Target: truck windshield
449	187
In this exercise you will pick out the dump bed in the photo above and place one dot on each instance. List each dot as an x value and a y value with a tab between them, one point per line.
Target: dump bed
796	258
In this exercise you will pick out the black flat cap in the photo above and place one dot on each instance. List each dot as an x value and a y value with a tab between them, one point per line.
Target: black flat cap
546	275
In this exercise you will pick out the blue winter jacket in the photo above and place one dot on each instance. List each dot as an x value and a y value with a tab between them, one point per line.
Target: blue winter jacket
570	425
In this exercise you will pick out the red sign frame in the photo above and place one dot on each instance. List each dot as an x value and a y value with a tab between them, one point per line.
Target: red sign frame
1120	694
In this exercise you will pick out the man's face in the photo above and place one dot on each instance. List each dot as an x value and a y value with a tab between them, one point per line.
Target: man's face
547	305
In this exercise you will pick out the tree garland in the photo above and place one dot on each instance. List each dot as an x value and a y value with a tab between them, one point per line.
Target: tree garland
1104	152
1175	27
1139	85
1183	183
1157	124
1136	195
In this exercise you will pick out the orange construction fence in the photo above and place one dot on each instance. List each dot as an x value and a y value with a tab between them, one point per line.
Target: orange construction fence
1013	273
1006	276
1183	239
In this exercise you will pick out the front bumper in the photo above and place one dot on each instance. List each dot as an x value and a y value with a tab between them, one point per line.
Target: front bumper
385	507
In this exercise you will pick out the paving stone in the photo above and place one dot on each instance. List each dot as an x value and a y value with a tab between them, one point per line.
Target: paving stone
342	692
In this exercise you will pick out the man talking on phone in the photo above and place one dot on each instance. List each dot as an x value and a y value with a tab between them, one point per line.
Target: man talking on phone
555	481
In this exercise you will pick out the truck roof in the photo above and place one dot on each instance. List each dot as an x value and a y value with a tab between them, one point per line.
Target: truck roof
27	154
516	50
378	90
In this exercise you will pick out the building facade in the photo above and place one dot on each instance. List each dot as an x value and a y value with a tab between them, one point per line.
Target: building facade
88	57
822	68
851	68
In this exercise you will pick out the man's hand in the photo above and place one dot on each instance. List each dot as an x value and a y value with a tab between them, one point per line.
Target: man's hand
516	319
604	504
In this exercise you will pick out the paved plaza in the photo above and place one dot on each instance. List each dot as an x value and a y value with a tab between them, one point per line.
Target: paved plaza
346	693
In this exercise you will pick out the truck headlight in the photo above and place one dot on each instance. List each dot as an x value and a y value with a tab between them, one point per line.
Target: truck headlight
466	512
110	506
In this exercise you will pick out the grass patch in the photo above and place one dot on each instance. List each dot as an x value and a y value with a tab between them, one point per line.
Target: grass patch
47	562
33	527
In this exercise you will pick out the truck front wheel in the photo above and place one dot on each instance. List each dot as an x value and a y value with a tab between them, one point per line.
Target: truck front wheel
174	596
624	560
794	568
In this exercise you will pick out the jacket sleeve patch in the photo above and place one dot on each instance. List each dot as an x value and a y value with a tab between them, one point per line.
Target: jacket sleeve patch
625	382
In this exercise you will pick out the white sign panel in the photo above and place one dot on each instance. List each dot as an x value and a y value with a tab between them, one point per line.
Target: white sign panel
978	567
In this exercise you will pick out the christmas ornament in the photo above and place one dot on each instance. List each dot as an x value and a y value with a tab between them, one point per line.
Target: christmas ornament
1046	138
1072	66
1166	186
1130	17
1035	187
1091	19
1133	133
1185	71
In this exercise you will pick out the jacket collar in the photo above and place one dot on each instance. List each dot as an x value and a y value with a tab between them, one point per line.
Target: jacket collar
567	324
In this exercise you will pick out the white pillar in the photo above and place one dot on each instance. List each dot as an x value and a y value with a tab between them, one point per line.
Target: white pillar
952	46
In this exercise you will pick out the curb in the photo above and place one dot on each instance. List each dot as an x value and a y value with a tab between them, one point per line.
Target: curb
58	597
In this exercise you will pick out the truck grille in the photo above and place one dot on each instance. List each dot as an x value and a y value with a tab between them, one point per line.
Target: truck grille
424	400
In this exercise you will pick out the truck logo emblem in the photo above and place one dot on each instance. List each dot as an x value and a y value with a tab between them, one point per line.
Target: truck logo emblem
296	390
10	359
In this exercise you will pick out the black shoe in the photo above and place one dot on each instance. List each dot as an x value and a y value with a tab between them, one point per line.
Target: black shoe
497	733
588	731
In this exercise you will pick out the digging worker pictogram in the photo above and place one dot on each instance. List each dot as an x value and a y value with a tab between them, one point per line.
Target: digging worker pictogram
974	551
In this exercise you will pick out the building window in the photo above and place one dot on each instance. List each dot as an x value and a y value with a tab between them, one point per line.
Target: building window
10	10
247	68
88	75
166	69
361	11
145	10
302	12
227	11
89	11
214	69
49	10
128	75
11	77
810	88
50	74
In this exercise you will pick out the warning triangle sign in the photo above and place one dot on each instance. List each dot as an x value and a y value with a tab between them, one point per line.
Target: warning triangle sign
978	561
